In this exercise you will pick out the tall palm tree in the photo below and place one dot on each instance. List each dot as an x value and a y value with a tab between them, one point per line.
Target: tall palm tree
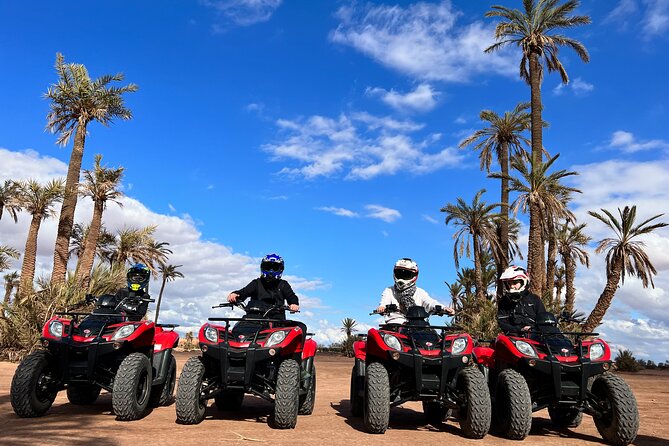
106	242
456	290
101	184
348	326
7	252
570	241
168	273
502	137
559	284
9	191
542	191
534	32
39	200
76	101
11	282
476	233
624	256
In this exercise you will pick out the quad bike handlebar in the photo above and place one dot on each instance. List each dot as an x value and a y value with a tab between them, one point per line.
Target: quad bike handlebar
392	308
243	306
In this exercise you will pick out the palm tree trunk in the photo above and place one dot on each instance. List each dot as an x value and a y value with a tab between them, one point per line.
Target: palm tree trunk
605	299
85	263
478	269
160	297
570	275
504	223
551	263
28	266
536	108
9	287
66	220
535	248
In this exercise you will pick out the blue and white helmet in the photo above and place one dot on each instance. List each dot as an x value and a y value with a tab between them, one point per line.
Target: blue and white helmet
271	266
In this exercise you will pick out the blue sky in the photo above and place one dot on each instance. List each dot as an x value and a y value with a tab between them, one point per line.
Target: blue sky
328	132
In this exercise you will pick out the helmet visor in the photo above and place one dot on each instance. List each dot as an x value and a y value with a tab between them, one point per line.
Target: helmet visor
138	277
404	274
271	266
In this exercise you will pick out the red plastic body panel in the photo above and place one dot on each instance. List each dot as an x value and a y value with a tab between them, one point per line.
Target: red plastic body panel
309	350
485	356
506	351
142	336
290	345
165	339
360	349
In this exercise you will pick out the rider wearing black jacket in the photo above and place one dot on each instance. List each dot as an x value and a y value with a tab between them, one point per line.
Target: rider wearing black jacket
518	309
269	287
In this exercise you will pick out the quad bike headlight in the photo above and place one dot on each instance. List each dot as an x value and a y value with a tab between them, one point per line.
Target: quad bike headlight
276	338
56	329
211	334
596	351
123	332
525	348
459	345
392	342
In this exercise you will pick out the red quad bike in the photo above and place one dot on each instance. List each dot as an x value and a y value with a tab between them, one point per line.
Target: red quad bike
110	348
270	358
545	369
416	361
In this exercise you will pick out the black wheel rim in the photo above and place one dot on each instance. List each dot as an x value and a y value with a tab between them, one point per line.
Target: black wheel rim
143	387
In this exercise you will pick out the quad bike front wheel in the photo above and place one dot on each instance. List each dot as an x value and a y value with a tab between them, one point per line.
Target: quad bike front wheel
190	403
619	422
32	392
513	405
565	416
357	402
286	396
132	387
308	400
229	399
474	415
377	399
83	394
163	394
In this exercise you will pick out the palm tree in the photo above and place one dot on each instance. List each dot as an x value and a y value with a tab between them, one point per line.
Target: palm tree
169	273
542	191
101	184
570	241
456	290
11	282
7	252
503	136
8	199
105	243
348	326
532	30
39	200
76	101
477	232
625	256
559	284
137	245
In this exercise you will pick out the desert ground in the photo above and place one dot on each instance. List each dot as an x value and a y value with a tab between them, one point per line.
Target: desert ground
330	424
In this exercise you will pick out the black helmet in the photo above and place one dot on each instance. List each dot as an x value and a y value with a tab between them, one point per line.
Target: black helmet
138	277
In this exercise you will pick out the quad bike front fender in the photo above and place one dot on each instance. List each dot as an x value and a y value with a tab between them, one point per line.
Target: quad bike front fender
309	349
164	340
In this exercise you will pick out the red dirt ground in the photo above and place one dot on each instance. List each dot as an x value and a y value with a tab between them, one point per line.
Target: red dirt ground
330	423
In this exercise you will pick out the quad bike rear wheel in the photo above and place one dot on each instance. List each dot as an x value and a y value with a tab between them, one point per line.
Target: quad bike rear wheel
435	412
307	400
132	387
513	405
286	396
620	421
83	394
377	399
474	416
230	399
565	416
32	393
163	394
357	402
190	403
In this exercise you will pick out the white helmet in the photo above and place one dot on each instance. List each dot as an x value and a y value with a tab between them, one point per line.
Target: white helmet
514	274
405	273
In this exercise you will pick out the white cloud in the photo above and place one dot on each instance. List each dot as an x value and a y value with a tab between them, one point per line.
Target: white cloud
577	86
382	213
622	13
655	22
626	142
171	208
429	219
422	99
244	12
422	41
358	146
338	211
651	16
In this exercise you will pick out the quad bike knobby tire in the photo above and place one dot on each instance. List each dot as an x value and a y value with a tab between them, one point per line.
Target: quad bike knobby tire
620	423
190	404
474	416
30	394
286	396
307	400
435	413
377	399
513	405
565	416
357	403
132	387
82	394
229	399
163	394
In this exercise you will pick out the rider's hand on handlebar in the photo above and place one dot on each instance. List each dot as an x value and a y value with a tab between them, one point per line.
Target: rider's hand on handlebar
381	309
526	328
232	297
294	307
449	311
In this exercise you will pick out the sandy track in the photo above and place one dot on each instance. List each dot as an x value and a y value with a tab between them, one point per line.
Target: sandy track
330	423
